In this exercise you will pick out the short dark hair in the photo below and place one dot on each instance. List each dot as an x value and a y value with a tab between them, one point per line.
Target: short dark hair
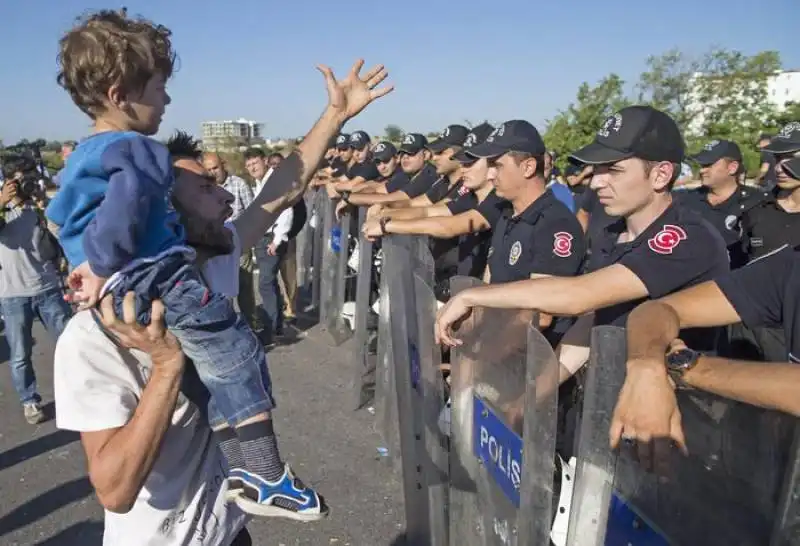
276	154
107	48
676	171
250	153
183	145
519	157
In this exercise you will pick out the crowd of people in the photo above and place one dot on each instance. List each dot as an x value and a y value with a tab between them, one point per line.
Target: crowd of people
166	380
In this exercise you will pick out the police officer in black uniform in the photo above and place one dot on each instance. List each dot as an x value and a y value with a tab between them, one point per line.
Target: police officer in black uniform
721	199
765	293
776	221
414	162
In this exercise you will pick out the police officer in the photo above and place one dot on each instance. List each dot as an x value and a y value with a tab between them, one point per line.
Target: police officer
653	249
721	199
766	293
776	222
414	162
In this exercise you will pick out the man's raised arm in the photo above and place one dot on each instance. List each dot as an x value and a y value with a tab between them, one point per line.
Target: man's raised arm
288	183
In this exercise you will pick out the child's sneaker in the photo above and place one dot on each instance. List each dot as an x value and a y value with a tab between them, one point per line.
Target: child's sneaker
286	498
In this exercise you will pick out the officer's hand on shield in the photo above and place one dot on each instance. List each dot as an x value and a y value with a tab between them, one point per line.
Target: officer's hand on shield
374	212
372	230
340	209
449	317
646	416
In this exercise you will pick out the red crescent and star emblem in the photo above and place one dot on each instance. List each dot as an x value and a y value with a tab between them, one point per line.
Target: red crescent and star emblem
562	244
667	239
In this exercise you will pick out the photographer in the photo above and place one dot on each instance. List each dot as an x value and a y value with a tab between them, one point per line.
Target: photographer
29	282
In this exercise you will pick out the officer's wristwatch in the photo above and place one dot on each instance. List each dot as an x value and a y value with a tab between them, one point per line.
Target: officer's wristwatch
345	196
679	362
382	222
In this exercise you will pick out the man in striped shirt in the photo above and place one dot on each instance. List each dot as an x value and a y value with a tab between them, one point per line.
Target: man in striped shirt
242	197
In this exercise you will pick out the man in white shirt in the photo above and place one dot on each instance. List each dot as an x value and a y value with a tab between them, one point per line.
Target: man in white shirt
152	460
270	251
242	197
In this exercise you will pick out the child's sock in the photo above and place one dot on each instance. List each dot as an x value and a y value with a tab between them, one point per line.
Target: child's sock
230	447
260	450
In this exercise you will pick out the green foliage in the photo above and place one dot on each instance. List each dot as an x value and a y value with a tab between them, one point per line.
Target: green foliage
577	125
393	133
722	94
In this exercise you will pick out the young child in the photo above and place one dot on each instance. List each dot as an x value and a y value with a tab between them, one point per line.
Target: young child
120	232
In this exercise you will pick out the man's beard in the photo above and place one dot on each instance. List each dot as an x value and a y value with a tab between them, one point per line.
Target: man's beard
206	236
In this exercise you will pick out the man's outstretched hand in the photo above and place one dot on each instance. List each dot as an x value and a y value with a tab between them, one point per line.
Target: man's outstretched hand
351	95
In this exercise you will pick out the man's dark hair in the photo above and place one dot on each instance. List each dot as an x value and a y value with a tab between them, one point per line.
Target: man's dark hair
276	155
519	157
250	153
182	144
108	48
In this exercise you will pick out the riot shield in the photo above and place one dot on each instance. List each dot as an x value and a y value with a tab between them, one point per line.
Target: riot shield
364	357
395	257
334	269
316	223
504	388
303	243
417	402
331	245
729	490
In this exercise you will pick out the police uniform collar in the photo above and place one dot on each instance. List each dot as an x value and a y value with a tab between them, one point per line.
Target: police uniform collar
672	214
531	214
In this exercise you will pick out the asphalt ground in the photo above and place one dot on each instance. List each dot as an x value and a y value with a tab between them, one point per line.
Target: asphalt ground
46	497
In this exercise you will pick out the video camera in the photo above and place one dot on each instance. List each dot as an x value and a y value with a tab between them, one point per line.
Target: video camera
24	158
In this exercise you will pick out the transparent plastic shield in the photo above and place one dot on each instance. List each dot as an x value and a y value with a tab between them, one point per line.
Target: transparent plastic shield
338	326
315	223
731	489
331	245
497	494
389	309
365	321
304	244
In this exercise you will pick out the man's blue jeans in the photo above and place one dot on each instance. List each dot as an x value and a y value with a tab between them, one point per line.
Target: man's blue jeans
18	314
269	289
227	356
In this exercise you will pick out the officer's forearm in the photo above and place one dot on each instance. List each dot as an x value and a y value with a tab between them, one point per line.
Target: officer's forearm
651	327
770	385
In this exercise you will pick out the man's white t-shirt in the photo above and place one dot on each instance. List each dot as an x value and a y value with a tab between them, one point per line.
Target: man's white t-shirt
98	386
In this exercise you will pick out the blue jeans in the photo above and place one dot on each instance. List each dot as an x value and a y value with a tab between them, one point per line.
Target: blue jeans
18	314
268	288
229	359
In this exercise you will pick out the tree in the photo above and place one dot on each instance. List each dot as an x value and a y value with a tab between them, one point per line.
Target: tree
790	112
393	133
730	98
577	125
667	85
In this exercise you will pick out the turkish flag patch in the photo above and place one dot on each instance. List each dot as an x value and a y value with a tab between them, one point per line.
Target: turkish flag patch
562	244
665	241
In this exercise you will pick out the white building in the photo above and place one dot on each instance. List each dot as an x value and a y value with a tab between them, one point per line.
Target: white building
231	133
782	87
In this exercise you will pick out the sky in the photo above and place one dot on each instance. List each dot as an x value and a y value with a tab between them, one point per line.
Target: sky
449	62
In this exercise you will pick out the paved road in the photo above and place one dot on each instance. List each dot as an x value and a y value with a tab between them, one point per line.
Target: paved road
47	499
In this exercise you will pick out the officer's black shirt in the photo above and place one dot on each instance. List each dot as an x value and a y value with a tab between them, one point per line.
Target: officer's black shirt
544	239
679	249
767	293
397	180
338	166
442	189
725	216
768	226
473	248
420	182
366	170
598	219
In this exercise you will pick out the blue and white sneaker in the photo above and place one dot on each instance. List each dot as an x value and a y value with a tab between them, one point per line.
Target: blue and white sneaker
287	498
